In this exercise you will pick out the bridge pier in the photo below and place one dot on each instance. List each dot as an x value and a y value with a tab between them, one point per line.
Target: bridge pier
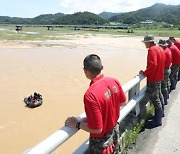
50	27
18	28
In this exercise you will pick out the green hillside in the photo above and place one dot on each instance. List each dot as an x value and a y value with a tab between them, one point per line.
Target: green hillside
158	12
41	19
107	15
81	18
46	18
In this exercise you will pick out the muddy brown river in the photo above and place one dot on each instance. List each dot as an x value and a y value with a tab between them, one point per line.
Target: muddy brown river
56	73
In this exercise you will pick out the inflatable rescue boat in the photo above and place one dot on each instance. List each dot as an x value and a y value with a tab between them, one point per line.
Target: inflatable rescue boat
33	101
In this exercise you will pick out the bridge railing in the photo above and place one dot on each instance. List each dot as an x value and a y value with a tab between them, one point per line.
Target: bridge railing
52	142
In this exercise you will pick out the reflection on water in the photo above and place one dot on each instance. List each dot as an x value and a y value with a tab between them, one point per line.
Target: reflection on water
56	73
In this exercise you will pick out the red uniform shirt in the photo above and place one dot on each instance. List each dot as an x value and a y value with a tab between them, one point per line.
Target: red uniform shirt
175	55
102	103
155	64
177	44
168	57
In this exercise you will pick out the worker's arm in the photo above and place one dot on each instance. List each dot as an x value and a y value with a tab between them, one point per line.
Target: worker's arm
72	122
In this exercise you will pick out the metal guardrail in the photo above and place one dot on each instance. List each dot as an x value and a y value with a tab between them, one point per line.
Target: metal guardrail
59	137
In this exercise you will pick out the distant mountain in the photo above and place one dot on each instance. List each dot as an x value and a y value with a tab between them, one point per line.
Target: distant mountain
81	18
158	12
46	18
107	15
14	20
41	19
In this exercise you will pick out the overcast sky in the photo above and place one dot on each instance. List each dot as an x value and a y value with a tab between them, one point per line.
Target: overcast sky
32	8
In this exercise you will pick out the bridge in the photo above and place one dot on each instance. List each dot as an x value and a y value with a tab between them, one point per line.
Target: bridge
76	27
169	138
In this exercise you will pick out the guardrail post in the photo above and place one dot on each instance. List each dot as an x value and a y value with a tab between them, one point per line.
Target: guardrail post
133	92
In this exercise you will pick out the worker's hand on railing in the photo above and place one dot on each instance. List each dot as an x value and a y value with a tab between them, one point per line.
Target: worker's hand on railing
71	122
124	104
141	74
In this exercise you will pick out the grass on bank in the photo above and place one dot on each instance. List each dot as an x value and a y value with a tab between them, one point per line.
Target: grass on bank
129	137
8	32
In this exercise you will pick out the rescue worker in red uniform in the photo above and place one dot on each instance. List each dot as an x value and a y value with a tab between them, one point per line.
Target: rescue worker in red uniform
155	74
177	44
102	102
175	64
165	84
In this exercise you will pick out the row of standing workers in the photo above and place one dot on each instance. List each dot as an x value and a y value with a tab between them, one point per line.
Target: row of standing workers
162	72
105	95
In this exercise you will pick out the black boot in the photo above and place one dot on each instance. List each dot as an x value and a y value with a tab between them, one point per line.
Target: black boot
157	120
165	96
173	84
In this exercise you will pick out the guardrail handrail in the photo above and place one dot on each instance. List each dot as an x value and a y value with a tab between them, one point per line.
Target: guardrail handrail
59	137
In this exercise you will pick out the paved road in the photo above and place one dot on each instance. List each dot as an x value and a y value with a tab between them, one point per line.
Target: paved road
164	139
